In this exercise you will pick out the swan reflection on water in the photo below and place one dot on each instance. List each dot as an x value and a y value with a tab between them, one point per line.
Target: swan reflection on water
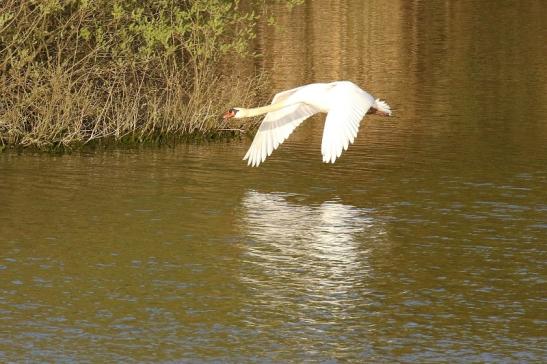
316	255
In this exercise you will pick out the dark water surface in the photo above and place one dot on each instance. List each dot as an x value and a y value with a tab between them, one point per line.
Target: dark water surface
425	242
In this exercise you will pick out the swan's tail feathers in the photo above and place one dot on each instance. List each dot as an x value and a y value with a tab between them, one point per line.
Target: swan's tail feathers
382	107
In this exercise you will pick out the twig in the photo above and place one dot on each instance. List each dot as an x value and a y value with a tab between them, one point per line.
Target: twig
232	129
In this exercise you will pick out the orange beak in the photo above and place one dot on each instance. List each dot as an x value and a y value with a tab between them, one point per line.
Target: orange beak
229	114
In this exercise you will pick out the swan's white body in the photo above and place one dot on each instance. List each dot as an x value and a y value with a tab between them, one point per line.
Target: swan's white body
344	102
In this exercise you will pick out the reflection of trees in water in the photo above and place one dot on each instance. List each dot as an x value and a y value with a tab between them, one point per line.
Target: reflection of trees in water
431	59
308	261
330	41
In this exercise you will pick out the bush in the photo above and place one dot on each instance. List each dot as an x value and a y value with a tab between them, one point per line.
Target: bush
74	71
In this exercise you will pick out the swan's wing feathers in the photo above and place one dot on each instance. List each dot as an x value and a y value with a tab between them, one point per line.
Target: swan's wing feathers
342	122
275	128
283	95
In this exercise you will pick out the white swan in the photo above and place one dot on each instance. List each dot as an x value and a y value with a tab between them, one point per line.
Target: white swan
344	102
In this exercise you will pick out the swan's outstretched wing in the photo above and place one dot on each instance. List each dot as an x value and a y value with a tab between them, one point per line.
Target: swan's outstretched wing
276	127
350	105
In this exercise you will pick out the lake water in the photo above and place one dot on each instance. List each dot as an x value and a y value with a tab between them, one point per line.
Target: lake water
425	242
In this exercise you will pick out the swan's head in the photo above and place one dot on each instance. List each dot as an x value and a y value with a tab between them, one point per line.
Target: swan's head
233	113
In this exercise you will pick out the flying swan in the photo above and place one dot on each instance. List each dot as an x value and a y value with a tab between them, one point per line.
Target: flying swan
344	102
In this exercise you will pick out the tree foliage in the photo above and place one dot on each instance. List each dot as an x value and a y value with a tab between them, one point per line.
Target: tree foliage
107	50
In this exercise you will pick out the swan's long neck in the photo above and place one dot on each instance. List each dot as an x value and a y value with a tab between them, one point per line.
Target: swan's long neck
247	113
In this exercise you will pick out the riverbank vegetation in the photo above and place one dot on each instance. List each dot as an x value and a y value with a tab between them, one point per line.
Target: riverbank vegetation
76	71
